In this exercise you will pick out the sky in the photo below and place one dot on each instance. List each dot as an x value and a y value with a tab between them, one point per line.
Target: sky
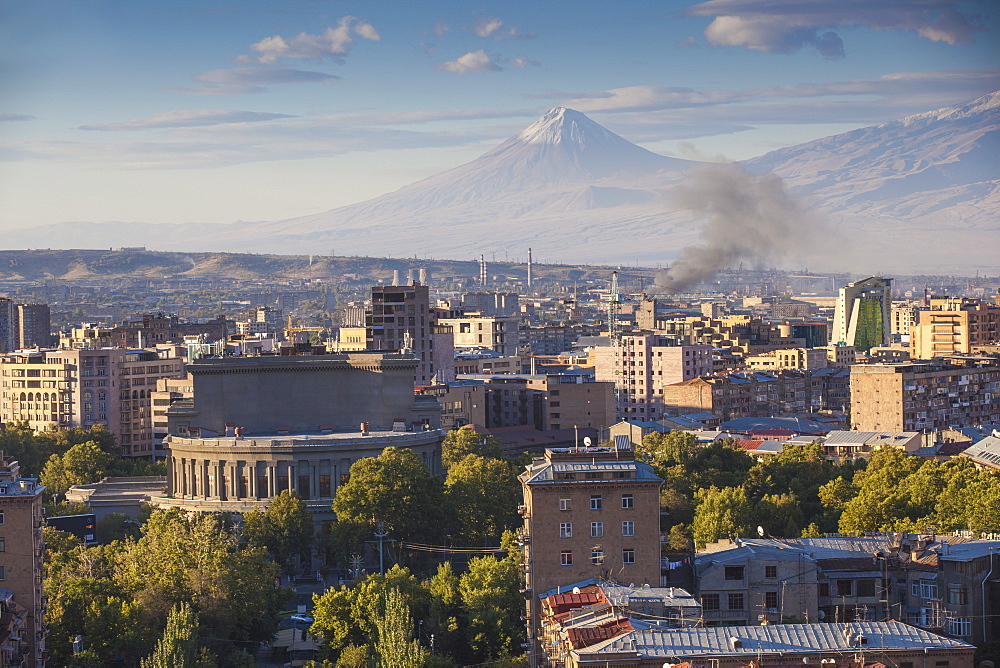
172	111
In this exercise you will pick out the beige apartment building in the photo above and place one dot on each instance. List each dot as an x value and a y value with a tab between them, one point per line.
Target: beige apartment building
954	326
643	365
588	513
498	333
86	387
788	358
22	606
925	396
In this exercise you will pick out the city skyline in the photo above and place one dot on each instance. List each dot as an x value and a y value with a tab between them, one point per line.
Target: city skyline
192	112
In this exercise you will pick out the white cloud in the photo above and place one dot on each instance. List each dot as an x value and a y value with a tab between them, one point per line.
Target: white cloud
243	80
472	62
332	43
492	27
15	117
486	26
783	27
189	119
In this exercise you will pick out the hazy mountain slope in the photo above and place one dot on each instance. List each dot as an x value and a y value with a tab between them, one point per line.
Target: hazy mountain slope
921	194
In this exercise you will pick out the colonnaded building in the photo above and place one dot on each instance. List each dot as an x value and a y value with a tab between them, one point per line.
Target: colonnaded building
258	425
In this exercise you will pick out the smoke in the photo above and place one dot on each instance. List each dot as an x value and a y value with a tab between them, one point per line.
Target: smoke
750	218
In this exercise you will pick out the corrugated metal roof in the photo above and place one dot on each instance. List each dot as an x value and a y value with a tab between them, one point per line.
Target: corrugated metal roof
779	638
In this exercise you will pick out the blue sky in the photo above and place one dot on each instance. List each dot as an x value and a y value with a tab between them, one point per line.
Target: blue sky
189	111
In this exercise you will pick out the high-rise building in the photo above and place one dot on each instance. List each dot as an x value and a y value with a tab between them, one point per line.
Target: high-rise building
85	387
400	318
588	513
863	314
23	325
22	608
499	334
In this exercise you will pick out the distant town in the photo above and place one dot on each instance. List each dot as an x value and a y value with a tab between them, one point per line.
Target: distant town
213	459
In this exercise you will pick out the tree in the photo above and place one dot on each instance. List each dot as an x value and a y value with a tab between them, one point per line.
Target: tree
492	603
117	526
285	528
394	643
667	449
679	539
178	646
445	608
721	513
81	464
395	488
459	443
482	494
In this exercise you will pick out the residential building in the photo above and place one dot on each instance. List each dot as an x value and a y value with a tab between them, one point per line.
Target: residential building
758	394
841	355
949	392
588	513
788	358
642	365
85	387
491	303
22	604
985	454
862	317
954	326
498	333
168	391
573	400
265	320
34	326
476	362
401	319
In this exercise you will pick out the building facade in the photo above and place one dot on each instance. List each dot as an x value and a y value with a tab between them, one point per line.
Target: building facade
863	314
925	396
954	326
588	513
22	605
85	387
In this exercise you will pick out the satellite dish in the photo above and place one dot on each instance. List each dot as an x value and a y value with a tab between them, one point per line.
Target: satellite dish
576	590
587	441
760	531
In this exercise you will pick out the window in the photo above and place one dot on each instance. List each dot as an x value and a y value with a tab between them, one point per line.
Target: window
627	501
1	517
845	587
566	530
596	502
958	596
565	504
960	626
566	558
628	556
596	529
710	601
736	601
597	557
734	572
866	587
628	528
770	571
770	599
924	589
3	572
824	588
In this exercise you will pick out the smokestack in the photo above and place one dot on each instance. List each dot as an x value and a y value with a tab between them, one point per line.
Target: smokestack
423	275
529	270
409	277
482	270
395	278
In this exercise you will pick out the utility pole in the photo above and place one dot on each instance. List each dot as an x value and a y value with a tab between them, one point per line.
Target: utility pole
380	533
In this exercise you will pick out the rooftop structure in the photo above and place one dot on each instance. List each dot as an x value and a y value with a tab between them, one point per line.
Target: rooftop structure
863	314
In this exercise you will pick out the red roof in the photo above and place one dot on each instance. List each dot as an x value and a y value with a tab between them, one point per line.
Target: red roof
563	602
585	636
749	445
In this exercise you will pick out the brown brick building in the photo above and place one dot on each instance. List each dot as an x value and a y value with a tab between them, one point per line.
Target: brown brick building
925	396
589	513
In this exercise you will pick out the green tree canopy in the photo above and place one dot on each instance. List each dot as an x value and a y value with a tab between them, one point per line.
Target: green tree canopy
81	464
483	495
284	528
459	443
721	513
395	488
178	646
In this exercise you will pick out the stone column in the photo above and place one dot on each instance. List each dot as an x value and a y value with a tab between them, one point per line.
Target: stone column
272	479
252	479
292	481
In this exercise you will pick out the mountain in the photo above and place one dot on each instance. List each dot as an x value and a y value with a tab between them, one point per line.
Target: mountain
917	194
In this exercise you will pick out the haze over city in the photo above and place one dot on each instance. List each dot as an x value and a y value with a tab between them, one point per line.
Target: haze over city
195	112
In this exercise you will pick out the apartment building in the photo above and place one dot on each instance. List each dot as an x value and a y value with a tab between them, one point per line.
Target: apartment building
22	605
758	394
954	326
85	387
588	513
643	365
498	333
788	358
23	325
924	396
